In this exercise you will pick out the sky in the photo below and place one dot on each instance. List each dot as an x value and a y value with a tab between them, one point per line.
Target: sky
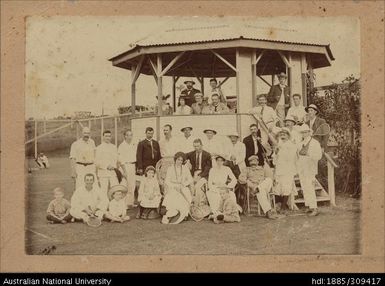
67	67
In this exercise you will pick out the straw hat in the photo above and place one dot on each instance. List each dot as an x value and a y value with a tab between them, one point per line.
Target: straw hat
205	131
290	118
189	127
189	80
282	74
312	106
116	188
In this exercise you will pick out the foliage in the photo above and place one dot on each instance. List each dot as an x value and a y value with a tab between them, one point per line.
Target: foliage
340	106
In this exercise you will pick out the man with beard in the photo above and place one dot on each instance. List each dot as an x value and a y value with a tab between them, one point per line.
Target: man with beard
189	92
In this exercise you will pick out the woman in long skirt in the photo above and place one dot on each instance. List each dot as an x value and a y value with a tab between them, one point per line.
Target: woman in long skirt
177	184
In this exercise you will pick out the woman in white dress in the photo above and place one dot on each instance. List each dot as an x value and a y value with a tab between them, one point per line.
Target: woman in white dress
177	197
220	177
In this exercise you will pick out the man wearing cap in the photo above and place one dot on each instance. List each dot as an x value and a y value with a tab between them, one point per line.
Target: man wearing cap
285	160
127	159
185	143
309	153
213	145
259	183
314	123
295	136
189	92
88	200
215	88
297	111
279	97
148	152
82	156
106	161
216	107
168	144
200	106
237	152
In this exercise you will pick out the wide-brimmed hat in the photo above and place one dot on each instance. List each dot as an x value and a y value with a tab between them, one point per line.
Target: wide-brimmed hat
282	74
165	96
205	131
116	188
233	133
304	128
290	118
312	106
253	158
189	80
220	157
182	130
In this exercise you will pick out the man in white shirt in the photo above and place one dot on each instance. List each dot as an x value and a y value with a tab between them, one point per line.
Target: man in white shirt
186	141
88	200
216	89
82	156
183	109
127	159
168	144
309	153
295	135
267	114
237	152
106	160
297	111
214	145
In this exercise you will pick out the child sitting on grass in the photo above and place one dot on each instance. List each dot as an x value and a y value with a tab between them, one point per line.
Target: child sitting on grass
149	194
229	209
117	209
58	210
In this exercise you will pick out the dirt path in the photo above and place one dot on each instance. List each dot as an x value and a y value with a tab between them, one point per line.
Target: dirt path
334	231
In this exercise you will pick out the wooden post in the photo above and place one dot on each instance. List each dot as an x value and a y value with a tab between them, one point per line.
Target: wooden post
254	92
159	82
290	80
331	186
133	91
272	79
202	79
116	130
35	138
303	76
101	129
174	93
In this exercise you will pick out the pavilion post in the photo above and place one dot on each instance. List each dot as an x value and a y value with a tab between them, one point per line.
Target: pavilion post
254	78
116	130
202	84
159	82
290	79
303	76
133	92
174	93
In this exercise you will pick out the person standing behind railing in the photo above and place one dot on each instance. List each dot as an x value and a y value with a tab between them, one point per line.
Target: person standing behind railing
279	97
189	92
148	152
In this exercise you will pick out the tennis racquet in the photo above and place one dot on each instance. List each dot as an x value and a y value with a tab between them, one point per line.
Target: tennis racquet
322	130
94	221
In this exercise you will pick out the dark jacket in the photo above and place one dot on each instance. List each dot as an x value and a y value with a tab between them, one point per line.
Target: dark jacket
275	94
188	95
206	163
144	156
249	143
323	140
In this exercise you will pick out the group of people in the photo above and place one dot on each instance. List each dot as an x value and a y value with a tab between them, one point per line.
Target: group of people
201	176
192	101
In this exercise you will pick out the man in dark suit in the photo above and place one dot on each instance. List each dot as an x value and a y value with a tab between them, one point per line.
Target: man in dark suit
189	92
314	123
253	145
279	97
148	152
200	163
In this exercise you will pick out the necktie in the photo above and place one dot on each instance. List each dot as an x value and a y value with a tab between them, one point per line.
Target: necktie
197	162
152	150
263	107
215	108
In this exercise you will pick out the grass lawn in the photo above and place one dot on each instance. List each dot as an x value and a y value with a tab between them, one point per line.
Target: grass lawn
335	231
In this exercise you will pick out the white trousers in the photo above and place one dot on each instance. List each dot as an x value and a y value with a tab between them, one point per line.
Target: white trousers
131	183
308	189
81	171
107	180
214	198
263	195
285	184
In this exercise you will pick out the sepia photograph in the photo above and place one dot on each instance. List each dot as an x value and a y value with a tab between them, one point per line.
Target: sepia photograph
192	135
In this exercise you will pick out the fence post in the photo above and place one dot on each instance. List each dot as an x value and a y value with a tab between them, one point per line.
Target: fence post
35	138
116	130
331	186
